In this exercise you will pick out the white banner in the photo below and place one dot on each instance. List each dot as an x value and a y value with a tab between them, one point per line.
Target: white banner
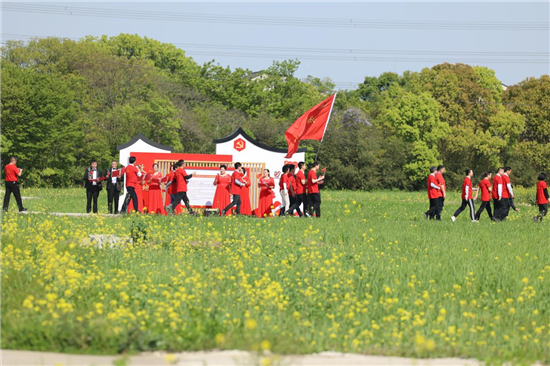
201	188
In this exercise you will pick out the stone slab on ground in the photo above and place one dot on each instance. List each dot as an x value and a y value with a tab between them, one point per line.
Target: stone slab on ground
221	358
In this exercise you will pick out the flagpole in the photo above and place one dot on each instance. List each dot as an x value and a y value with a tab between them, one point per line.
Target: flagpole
326	125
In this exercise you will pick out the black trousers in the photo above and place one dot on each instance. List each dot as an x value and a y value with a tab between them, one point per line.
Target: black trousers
236	202
113	196
130	195
497	215
305	201
543	210
505	208
181	196
92	194
434	207
470	203
295	203
12	187
485	205
440	205
315	204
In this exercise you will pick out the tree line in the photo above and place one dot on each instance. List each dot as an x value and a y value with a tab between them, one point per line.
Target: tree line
66	102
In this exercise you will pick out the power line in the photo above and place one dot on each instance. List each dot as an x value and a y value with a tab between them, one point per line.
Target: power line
325	54
274	21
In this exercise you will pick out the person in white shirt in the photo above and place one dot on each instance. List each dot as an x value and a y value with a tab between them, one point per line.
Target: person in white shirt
92	185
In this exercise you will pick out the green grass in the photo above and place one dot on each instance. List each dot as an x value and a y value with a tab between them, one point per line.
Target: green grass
371	276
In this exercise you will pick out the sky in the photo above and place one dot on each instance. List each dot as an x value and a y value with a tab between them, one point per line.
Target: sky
342	41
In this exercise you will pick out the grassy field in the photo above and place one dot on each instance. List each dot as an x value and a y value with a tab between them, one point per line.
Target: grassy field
372	276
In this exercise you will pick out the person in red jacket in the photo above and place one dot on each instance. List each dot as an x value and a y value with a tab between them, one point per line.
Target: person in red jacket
542	197
433	195
301	184
12	184
293	194
485	188
284	187
132	183
236	184
467	199
443	191
181	178
497	195
313	190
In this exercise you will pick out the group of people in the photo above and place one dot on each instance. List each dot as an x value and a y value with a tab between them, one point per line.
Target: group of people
232	191
295	188
499	190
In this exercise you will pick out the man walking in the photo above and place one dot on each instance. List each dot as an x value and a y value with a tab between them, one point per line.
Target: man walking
181	178
507	193
440	181
114	186
313	190
433	194
467	199
485	188
542	197
301	196
132	182
12	184
93	186
236	184
497	195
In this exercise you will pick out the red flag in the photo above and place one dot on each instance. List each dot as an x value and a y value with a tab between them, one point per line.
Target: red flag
310	126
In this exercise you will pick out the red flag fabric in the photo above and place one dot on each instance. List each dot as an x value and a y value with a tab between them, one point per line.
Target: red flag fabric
310	126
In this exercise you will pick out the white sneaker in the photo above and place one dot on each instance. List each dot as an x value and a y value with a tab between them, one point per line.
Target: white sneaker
475	221
453	219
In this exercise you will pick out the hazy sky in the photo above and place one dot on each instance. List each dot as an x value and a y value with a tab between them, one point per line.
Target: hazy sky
303	30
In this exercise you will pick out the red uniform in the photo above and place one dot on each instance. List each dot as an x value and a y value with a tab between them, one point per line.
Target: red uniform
541	198
312	187
222	198
432	192
505	182
496	181
484	187
300	188
440	181
235	188
131	177
11	173
266	197
291	183
246	208
467	183
283	181
180	180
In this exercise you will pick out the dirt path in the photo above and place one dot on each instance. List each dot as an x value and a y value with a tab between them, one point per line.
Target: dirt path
219	358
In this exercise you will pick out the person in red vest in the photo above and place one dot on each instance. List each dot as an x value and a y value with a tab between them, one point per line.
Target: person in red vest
497	195
467	195
246	207
434	190
12	184
313	189
301	195
132	183
236	184
265	203
542	197
485	188
222	197
181	178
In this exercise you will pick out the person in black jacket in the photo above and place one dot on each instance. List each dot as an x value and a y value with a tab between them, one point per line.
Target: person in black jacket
93	185
114	186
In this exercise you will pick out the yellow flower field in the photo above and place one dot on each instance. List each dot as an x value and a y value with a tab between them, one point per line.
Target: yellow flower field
370	277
